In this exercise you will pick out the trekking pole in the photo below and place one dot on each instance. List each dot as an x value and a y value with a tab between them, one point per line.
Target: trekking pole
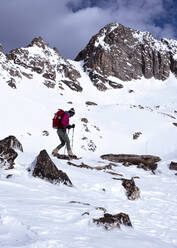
65	143
72	138
64	149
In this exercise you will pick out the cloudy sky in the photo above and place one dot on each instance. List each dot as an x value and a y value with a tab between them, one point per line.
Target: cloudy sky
69	24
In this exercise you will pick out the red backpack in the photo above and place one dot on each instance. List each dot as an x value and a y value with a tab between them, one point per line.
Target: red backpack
57	118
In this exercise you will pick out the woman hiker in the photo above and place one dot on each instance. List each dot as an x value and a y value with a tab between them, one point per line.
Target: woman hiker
61	131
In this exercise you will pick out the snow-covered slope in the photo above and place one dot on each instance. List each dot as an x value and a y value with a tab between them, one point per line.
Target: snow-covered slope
146	106
35	213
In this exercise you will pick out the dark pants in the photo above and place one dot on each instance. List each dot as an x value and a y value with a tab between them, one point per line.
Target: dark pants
63	136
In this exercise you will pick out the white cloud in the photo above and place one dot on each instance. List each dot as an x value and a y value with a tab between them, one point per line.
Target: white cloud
21	21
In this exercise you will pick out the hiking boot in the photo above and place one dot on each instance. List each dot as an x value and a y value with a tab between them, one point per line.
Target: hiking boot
55	152
70	153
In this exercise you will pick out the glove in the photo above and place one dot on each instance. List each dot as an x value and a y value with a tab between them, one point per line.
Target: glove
69	127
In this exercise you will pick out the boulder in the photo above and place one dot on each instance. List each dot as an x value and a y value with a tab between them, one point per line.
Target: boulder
7	152
46	169
45	133
85	120
146	162
110	221
90	103
173	165
136	135
11	142
12	83
132	191
7	157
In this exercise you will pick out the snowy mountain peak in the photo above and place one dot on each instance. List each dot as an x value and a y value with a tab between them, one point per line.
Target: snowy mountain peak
38	58
126	54
38	41
115	55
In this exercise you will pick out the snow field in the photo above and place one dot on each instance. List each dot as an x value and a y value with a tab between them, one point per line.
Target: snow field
36	210
35	213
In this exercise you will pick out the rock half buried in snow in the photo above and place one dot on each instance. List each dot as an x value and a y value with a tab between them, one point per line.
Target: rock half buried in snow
46	169
65	157
173	165
146	162
91	103
7	153
132	191
11	142
110	221
7	157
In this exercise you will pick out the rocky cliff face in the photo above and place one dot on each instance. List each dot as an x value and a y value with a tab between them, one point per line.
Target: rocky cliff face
127	54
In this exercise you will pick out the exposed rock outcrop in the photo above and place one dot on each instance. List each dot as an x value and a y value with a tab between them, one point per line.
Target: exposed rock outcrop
110	221
12	142
8	71
7	153
132	191
45	133
85	120
173	165
89	103
46	169
136	135
116	52
127	54
146	162
72	85
7	157
65	157
40	58
100	82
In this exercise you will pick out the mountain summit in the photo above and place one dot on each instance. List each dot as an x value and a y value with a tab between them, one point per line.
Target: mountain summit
127	54
39	58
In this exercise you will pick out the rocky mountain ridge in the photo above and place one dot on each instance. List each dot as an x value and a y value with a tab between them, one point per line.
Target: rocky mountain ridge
39	58
115	53
127	54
